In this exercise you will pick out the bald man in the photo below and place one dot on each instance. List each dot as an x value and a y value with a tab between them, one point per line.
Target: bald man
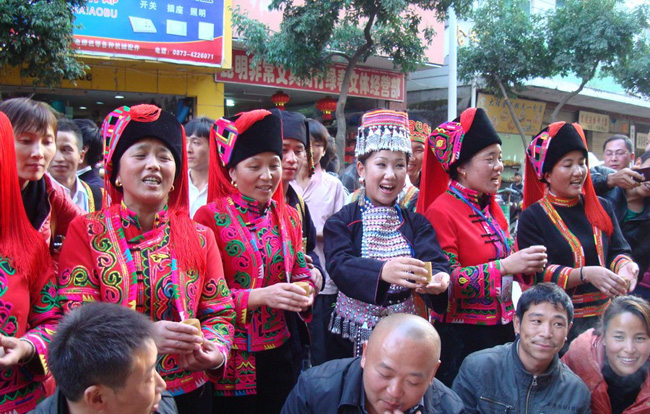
394	375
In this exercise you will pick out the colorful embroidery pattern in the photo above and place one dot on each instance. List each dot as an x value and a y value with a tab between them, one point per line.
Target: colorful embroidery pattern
225	135
21	389
586	304
419	131
479	295
537	151
112	246
256	252
446	142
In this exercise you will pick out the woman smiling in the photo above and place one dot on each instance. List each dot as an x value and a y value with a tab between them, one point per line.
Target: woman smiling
587	254
613	359
143	251
461	175
260	240
375	248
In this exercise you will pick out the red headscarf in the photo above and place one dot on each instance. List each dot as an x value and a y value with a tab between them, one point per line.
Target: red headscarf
19	241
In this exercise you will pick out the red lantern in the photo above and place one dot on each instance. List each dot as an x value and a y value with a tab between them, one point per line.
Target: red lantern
327	105
280	99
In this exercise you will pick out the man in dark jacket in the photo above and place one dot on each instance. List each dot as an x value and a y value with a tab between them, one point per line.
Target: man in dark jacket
103	358
394	375
526	376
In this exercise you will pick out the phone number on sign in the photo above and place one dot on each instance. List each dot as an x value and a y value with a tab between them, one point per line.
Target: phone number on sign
195	55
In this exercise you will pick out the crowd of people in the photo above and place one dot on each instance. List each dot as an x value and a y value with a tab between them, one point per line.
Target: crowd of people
205	268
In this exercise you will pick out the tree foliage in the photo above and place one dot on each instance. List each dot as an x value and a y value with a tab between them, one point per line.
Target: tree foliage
634	75
509	47
580	38
313	32
587	36
36	36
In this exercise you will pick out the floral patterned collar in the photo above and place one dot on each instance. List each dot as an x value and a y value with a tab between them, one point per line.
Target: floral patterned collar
130	217
250	206
481	202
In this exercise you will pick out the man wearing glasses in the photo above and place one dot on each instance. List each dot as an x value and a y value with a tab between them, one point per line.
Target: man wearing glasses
618	152
618	155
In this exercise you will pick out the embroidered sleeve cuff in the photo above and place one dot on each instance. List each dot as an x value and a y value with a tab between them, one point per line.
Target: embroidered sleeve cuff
556	274
619	261
474	282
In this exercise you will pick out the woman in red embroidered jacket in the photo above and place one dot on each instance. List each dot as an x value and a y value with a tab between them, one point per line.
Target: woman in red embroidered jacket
29	310
48	207
260	239
587	253
143	251
462	173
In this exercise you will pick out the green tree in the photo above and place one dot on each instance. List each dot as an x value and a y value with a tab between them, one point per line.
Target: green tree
314	32
36	36
634	73
587	37
508	48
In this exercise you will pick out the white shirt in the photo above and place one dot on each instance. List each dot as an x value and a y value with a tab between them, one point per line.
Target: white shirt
84	170
324	195
197	198
80	197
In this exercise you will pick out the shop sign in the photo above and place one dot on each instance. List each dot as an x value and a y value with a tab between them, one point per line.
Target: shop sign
592	121
642	139
179	31
364	82
529	113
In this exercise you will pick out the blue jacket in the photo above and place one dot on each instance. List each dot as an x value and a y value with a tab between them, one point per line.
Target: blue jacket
335	388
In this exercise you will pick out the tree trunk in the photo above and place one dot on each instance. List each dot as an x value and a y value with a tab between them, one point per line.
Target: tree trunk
512	113
566	99
341	124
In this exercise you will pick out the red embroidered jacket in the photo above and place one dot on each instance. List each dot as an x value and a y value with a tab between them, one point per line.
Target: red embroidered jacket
474	250
254	256
28	311
92	268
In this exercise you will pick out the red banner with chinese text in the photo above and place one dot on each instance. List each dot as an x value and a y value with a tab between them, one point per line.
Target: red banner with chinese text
364	82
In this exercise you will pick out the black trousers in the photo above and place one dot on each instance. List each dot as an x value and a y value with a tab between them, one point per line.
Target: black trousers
275	380
325	346
459	340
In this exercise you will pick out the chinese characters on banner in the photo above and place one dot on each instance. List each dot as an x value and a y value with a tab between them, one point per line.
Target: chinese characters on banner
364	82
529	113
593	122
178	31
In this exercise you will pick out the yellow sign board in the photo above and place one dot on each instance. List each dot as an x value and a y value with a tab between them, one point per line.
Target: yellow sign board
593	122
530	113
